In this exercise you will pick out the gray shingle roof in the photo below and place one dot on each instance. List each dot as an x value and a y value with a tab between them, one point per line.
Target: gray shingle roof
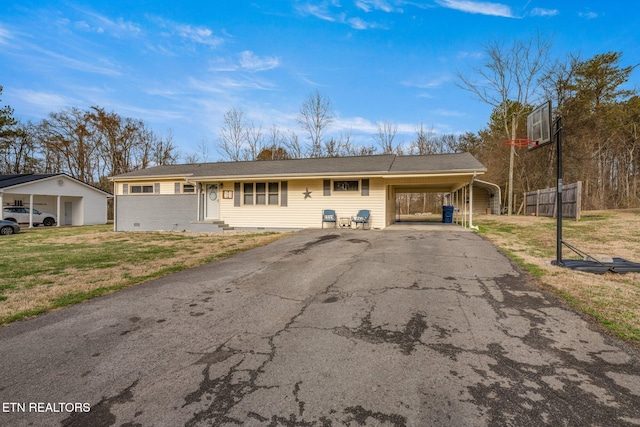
7	181
386	164
17	179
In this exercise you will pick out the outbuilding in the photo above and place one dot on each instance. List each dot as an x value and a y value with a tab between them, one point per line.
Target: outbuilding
281	194
71	201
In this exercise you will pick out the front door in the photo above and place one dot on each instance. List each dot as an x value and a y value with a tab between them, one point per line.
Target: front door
68	213
212	203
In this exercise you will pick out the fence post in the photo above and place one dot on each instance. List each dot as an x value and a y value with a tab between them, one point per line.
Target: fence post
578	200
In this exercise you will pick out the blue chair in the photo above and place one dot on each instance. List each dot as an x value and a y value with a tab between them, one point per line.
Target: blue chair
362	219
329	215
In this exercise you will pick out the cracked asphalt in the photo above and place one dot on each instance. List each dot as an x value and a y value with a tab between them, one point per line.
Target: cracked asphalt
420	327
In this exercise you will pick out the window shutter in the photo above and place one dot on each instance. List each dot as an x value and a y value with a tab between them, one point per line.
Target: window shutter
326	187
125	188
176	188
236	194
365	187
284	187
156	188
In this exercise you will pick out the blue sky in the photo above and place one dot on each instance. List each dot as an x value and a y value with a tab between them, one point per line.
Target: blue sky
179	66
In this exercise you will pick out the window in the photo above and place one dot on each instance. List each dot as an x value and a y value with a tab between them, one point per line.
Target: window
188	188
273	193
345	185
142	189
261	193
248	193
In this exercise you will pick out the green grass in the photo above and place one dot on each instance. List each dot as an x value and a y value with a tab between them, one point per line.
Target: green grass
43	259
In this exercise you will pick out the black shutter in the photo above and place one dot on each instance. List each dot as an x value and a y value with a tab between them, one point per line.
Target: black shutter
365	187
326	187
236	194
283	193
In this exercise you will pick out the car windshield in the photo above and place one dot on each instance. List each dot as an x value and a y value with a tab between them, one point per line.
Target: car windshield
36	212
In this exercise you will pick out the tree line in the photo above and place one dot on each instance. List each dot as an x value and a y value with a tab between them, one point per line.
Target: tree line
600	112
89	145
600	119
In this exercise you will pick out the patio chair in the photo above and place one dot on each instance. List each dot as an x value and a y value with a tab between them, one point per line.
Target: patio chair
362	219
329	215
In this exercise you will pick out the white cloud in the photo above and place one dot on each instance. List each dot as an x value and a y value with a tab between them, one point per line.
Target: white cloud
537	11
319	11
483	8
252	62
5	36
470	55
588	15
368	5
323	12
359	24
195	34
227	85
116	28
427	84
448	113
45	102
200	35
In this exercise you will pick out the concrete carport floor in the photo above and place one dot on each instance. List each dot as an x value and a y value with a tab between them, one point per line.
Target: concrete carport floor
326	328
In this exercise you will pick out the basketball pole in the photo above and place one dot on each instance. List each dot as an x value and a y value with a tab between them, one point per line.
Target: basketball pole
559	189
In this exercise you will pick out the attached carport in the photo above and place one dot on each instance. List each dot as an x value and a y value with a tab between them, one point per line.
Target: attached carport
452	176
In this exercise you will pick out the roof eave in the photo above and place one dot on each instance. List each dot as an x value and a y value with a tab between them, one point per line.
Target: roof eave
148	177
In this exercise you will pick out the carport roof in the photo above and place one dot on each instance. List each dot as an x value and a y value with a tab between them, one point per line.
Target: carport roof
17	179
386	164
8	181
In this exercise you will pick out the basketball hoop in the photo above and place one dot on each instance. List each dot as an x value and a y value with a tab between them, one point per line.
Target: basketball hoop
521	142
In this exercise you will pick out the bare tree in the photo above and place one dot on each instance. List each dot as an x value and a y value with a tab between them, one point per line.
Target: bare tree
69	134
18	150
203	152
255	141
315	117
507	80
425	141
163	150
385	136
291	142
233	135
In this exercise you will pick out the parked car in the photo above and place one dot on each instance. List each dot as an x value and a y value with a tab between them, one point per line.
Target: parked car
8	227
20	215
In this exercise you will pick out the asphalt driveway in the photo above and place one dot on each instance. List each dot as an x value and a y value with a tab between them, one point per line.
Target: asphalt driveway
421	327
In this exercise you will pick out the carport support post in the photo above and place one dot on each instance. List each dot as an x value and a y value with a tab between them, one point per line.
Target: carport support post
30	210
58	211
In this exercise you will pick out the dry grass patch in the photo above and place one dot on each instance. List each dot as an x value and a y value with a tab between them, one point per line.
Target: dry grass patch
612	299
50	268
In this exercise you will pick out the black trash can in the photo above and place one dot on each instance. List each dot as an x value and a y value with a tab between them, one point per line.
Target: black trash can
447	214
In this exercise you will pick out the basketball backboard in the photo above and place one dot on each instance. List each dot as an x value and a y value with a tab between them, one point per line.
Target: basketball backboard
539	126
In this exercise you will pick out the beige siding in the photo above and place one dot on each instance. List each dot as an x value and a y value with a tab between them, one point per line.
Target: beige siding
306	213
480	200
391	205
166	186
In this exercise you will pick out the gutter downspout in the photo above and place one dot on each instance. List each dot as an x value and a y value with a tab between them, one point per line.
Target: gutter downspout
115	205
471	226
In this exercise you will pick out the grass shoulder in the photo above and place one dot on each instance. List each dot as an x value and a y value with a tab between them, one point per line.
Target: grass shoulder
50	268
613	300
